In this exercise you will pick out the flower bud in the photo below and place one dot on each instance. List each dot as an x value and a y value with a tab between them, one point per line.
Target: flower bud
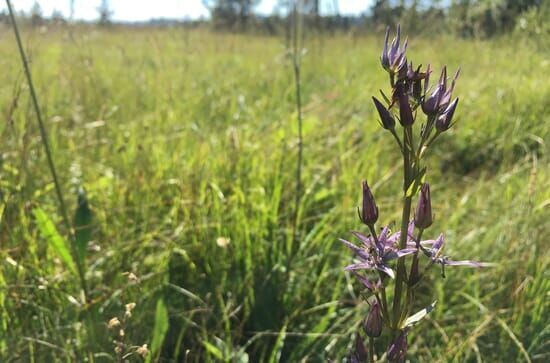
430	106
405	112
369	212
393	58
385	116
398	348
443	122
423	217
360	350
373	324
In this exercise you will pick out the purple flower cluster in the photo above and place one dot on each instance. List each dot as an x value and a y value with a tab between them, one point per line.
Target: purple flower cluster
380	259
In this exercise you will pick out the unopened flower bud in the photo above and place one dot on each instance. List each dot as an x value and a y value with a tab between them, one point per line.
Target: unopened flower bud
398	348
385	116
430	106
369	212
405	111
423	217
373	324
393	57
360	350
443	122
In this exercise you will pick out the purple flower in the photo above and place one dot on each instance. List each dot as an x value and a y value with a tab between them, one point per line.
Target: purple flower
423	217
375	254
437	102
369	212
385	116
405	112
443	122
398	348
373	324
393	59
360	349
435	252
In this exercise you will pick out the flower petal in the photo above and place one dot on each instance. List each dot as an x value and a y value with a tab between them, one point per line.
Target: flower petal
359	266
368	241
360	252
365	281
385	269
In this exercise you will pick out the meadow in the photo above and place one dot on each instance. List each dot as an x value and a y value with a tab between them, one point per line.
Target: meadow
185	143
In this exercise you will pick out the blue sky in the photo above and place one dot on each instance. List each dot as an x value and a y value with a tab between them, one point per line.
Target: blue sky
133	10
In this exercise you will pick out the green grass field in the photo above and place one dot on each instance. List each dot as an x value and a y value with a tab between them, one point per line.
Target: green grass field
185	142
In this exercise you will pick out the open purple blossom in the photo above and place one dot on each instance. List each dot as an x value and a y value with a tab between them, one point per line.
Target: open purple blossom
376	253
434	250
393	58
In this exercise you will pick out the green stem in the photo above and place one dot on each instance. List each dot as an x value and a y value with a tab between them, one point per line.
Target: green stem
397	139
415	258
371	349
401	271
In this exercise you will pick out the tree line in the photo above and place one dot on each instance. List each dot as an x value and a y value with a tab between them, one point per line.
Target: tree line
466	18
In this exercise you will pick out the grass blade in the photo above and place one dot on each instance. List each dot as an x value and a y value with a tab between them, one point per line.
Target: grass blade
55	240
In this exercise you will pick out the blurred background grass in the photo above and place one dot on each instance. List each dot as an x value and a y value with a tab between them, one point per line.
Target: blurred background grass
185	141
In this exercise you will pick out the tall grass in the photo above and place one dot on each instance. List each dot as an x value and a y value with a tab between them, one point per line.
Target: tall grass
180	142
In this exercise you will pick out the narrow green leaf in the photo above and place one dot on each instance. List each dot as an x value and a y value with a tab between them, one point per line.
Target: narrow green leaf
159	331
55	240
417	182
212	349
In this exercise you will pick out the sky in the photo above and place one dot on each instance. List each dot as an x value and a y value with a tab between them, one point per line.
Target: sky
139	10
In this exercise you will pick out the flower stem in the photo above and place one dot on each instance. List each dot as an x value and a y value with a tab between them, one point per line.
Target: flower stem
382	288
414	266
401	271
371	349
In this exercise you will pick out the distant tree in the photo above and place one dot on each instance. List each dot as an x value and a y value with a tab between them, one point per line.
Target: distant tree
382	13
231	14
105	13
36	14
57	17
485	18
71	7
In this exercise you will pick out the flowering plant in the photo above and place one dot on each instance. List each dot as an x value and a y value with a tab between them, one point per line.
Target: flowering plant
381	259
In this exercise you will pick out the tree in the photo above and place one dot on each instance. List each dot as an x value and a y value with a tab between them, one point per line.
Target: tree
36	14
105	13
230	14
57	17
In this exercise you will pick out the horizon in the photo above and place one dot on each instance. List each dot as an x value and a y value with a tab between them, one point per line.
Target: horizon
132	11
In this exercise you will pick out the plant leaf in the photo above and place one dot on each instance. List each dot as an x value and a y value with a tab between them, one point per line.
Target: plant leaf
413	319
417	182
55	240
159	331
212	349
